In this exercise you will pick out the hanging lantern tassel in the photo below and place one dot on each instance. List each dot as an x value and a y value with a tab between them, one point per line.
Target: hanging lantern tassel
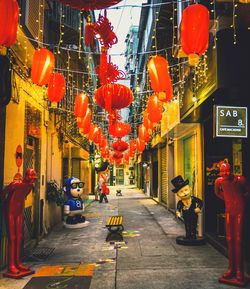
103	73
89	33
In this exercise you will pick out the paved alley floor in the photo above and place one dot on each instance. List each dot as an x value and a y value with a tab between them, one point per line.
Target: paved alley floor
149	257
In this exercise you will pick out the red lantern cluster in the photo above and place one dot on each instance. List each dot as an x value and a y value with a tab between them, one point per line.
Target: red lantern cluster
42	66
89	4
194	31
8	22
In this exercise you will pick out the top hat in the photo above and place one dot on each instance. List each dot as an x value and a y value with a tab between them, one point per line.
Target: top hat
103	167
178	183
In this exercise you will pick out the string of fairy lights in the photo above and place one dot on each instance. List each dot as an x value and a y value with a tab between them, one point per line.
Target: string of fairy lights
177	70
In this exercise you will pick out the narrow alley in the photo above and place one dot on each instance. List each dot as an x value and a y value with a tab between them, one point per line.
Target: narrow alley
148	258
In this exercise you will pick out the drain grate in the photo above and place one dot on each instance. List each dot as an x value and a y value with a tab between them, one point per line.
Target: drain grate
36	254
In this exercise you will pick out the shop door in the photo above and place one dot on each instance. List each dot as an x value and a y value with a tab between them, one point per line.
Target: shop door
155	179
164	178
31	216
119	176
170	161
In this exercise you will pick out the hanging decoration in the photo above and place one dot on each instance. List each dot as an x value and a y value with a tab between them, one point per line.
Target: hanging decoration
104	31
89	4
119	129
42	66
160	78
102	69
143	133
89	32
8	22
154	108
119	146
85	122
81	105
108	72
140	145
113	96
194	32
56	87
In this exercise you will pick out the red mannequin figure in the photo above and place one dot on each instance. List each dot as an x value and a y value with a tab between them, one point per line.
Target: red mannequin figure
233	190
13	197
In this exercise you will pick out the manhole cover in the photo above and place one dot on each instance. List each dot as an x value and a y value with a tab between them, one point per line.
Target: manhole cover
37	254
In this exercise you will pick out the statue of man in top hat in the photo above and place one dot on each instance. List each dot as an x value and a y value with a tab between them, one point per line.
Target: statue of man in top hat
188	205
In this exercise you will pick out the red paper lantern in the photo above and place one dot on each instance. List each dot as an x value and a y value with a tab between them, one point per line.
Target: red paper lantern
119	129
154	108
113	96
56	87
42	66
117	155
194	31
120	146
140	145
97	135
85	122
92	132
81	105
143	133
89	4
8	22
159	76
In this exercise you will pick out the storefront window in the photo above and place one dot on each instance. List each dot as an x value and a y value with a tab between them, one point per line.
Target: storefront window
189	160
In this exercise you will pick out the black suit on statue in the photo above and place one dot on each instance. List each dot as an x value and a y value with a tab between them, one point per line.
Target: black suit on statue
189	216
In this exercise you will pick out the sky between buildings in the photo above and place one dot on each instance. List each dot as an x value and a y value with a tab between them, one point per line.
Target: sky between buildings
122	19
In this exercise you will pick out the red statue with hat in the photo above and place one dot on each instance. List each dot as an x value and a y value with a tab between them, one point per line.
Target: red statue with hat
13	197
233	190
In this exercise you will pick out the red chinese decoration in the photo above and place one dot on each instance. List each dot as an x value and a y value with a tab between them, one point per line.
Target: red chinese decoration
89	34
113	96
42	66
119	129
154	108
117	156
81	105
8	22
140	145
89	4
104	32
194	31
160	78
85	122
109	72
120	146
143	133
56	87
92	132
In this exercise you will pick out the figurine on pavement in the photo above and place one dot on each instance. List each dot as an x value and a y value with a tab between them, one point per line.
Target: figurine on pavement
74	206
233	190
13	197
188	205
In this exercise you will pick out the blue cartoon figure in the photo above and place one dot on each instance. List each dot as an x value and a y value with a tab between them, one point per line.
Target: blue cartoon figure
74	206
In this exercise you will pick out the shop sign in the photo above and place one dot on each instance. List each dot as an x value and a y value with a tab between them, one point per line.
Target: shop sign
230	121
